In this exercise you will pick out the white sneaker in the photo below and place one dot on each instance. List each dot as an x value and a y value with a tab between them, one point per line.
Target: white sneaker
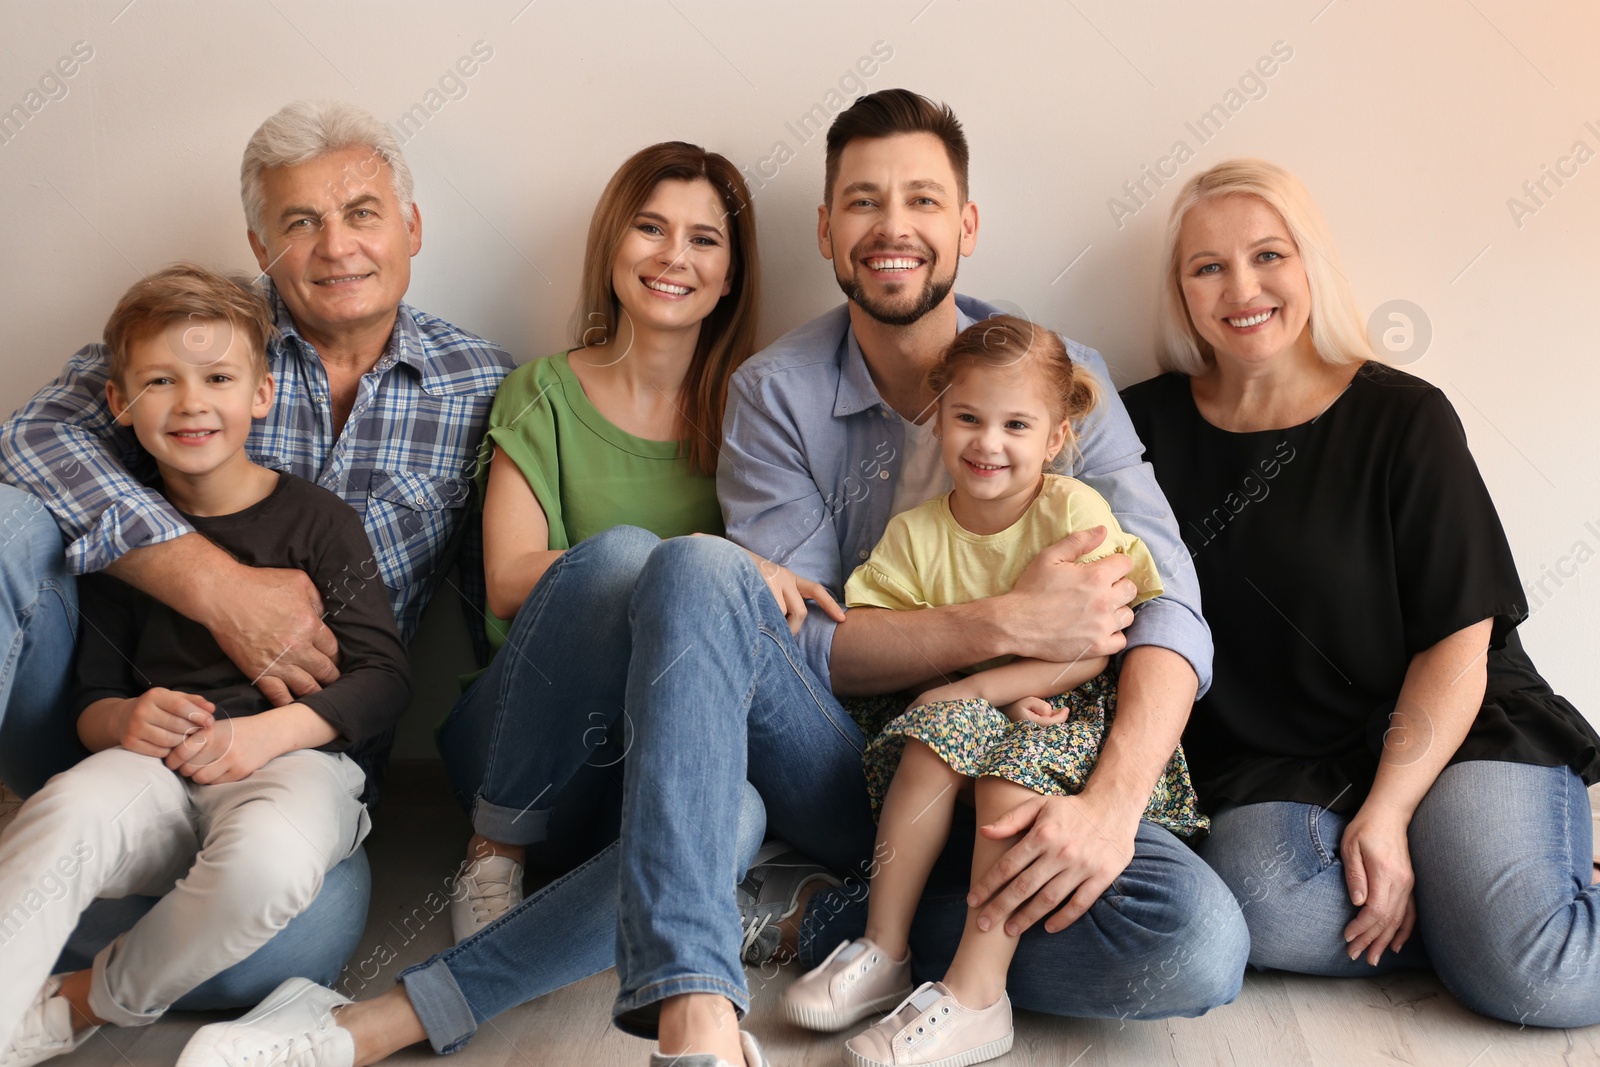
44	1031
293	1027
486	889
856	980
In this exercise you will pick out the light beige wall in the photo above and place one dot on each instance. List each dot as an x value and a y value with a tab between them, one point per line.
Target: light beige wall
1416	124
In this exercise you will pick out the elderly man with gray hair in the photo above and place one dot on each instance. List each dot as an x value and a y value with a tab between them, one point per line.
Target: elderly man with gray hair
377	402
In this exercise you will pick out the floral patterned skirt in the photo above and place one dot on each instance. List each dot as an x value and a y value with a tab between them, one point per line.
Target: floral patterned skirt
1054	759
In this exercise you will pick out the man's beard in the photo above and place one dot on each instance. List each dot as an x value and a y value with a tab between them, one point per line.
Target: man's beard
933	293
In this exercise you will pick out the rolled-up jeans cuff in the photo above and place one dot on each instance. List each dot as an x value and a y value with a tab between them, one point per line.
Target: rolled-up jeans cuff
103	1004
440	1005
639	1013
510	826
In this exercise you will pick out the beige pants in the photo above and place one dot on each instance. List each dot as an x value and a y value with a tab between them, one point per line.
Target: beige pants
233	863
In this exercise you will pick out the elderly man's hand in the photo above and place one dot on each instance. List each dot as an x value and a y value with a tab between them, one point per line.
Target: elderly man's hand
268	621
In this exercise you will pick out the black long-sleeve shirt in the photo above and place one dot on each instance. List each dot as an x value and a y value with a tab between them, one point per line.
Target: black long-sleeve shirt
129	642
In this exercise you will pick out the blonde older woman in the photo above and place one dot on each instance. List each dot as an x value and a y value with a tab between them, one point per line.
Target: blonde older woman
1390	780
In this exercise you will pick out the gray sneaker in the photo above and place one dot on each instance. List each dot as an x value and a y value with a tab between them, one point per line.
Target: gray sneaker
753	1056
770	893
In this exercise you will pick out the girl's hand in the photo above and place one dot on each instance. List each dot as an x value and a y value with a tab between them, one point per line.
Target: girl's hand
792	592
1034	709
1377	871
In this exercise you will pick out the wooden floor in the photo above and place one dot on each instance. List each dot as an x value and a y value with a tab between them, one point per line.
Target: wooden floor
1278	1019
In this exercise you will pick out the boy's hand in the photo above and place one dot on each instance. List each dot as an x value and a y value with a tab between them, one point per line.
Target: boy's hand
1034	709
229	750
159	720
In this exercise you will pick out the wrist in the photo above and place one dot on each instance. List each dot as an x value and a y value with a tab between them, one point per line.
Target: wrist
1124	799
208	590
296	726
992	636
1378	807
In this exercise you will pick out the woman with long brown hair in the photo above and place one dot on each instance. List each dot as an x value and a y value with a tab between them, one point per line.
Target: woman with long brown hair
594	456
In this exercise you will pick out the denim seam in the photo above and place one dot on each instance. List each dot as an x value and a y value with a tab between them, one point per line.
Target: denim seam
459	947
668	987
458	1042
1314	830
820	705
514	648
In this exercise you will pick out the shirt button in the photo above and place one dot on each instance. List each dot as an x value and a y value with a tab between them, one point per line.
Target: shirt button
862	553
883	474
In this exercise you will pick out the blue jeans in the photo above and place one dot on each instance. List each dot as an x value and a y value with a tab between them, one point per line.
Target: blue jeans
39	738
720	692
535	749
1506	916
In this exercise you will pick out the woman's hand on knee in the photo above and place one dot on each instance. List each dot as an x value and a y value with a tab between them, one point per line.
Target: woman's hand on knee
792	592
1377	871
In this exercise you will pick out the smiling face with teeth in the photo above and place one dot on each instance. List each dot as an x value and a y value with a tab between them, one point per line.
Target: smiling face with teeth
895	226
192	413
1244	283
338	247
674	261
997	432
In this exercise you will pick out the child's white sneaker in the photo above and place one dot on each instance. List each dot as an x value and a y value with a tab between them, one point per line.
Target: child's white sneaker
857	979
45	1030
932	1029
486	889
293	1027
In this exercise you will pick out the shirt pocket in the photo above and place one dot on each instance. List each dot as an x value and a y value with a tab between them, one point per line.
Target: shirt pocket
411	517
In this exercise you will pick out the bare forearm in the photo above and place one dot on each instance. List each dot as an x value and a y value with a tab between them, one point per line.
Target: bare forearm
511	582
182	573
881	651
100	725
1438	703
294	727
1155	694
1022	678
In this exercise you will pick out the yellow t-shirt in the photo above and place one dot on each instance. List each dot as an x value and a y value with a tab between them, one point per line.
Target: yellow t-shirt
926	559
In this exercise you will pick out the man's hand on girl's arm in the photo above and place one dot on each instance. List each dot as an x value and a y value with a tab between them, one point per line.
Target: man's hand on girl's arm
1058	611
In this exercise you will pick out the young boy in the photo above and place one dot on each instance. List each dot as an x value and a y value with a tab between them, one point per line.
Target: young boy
198	790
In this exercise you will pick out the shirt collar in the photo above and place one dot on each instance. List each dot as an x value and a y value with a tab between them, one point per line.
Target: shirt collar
405	342
857	392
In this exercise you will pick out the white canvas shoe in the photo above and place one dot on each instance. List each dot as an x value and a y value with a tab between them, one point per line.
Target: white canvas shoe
293	1027
486	889
44	1031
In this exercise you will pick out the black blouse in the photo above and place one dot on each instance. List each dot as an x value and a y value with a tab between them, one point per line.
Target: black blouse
1330	554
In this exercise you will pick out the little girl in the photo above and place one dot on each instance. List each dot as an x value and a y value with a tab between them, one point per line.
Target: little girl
1008	395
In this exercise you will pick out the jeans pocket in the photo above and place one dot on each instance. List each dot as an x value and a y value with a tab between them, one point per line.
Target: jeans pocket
1327	855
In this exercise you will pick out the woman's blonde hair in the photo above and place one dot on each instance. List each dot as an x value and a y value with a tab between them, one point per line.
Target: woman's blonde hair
1336	328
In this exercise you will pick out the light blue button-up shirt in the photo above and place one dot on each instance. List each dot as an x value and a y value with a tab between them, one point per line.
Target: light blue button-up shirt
811	453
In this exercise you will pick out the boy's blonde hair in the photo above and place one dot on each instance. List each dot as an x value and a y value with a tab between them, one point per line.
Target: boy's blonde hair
185	292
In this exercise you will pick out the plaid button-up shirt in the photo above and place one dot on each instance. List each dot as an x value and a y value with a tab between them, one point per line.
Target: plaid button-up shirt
405	459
